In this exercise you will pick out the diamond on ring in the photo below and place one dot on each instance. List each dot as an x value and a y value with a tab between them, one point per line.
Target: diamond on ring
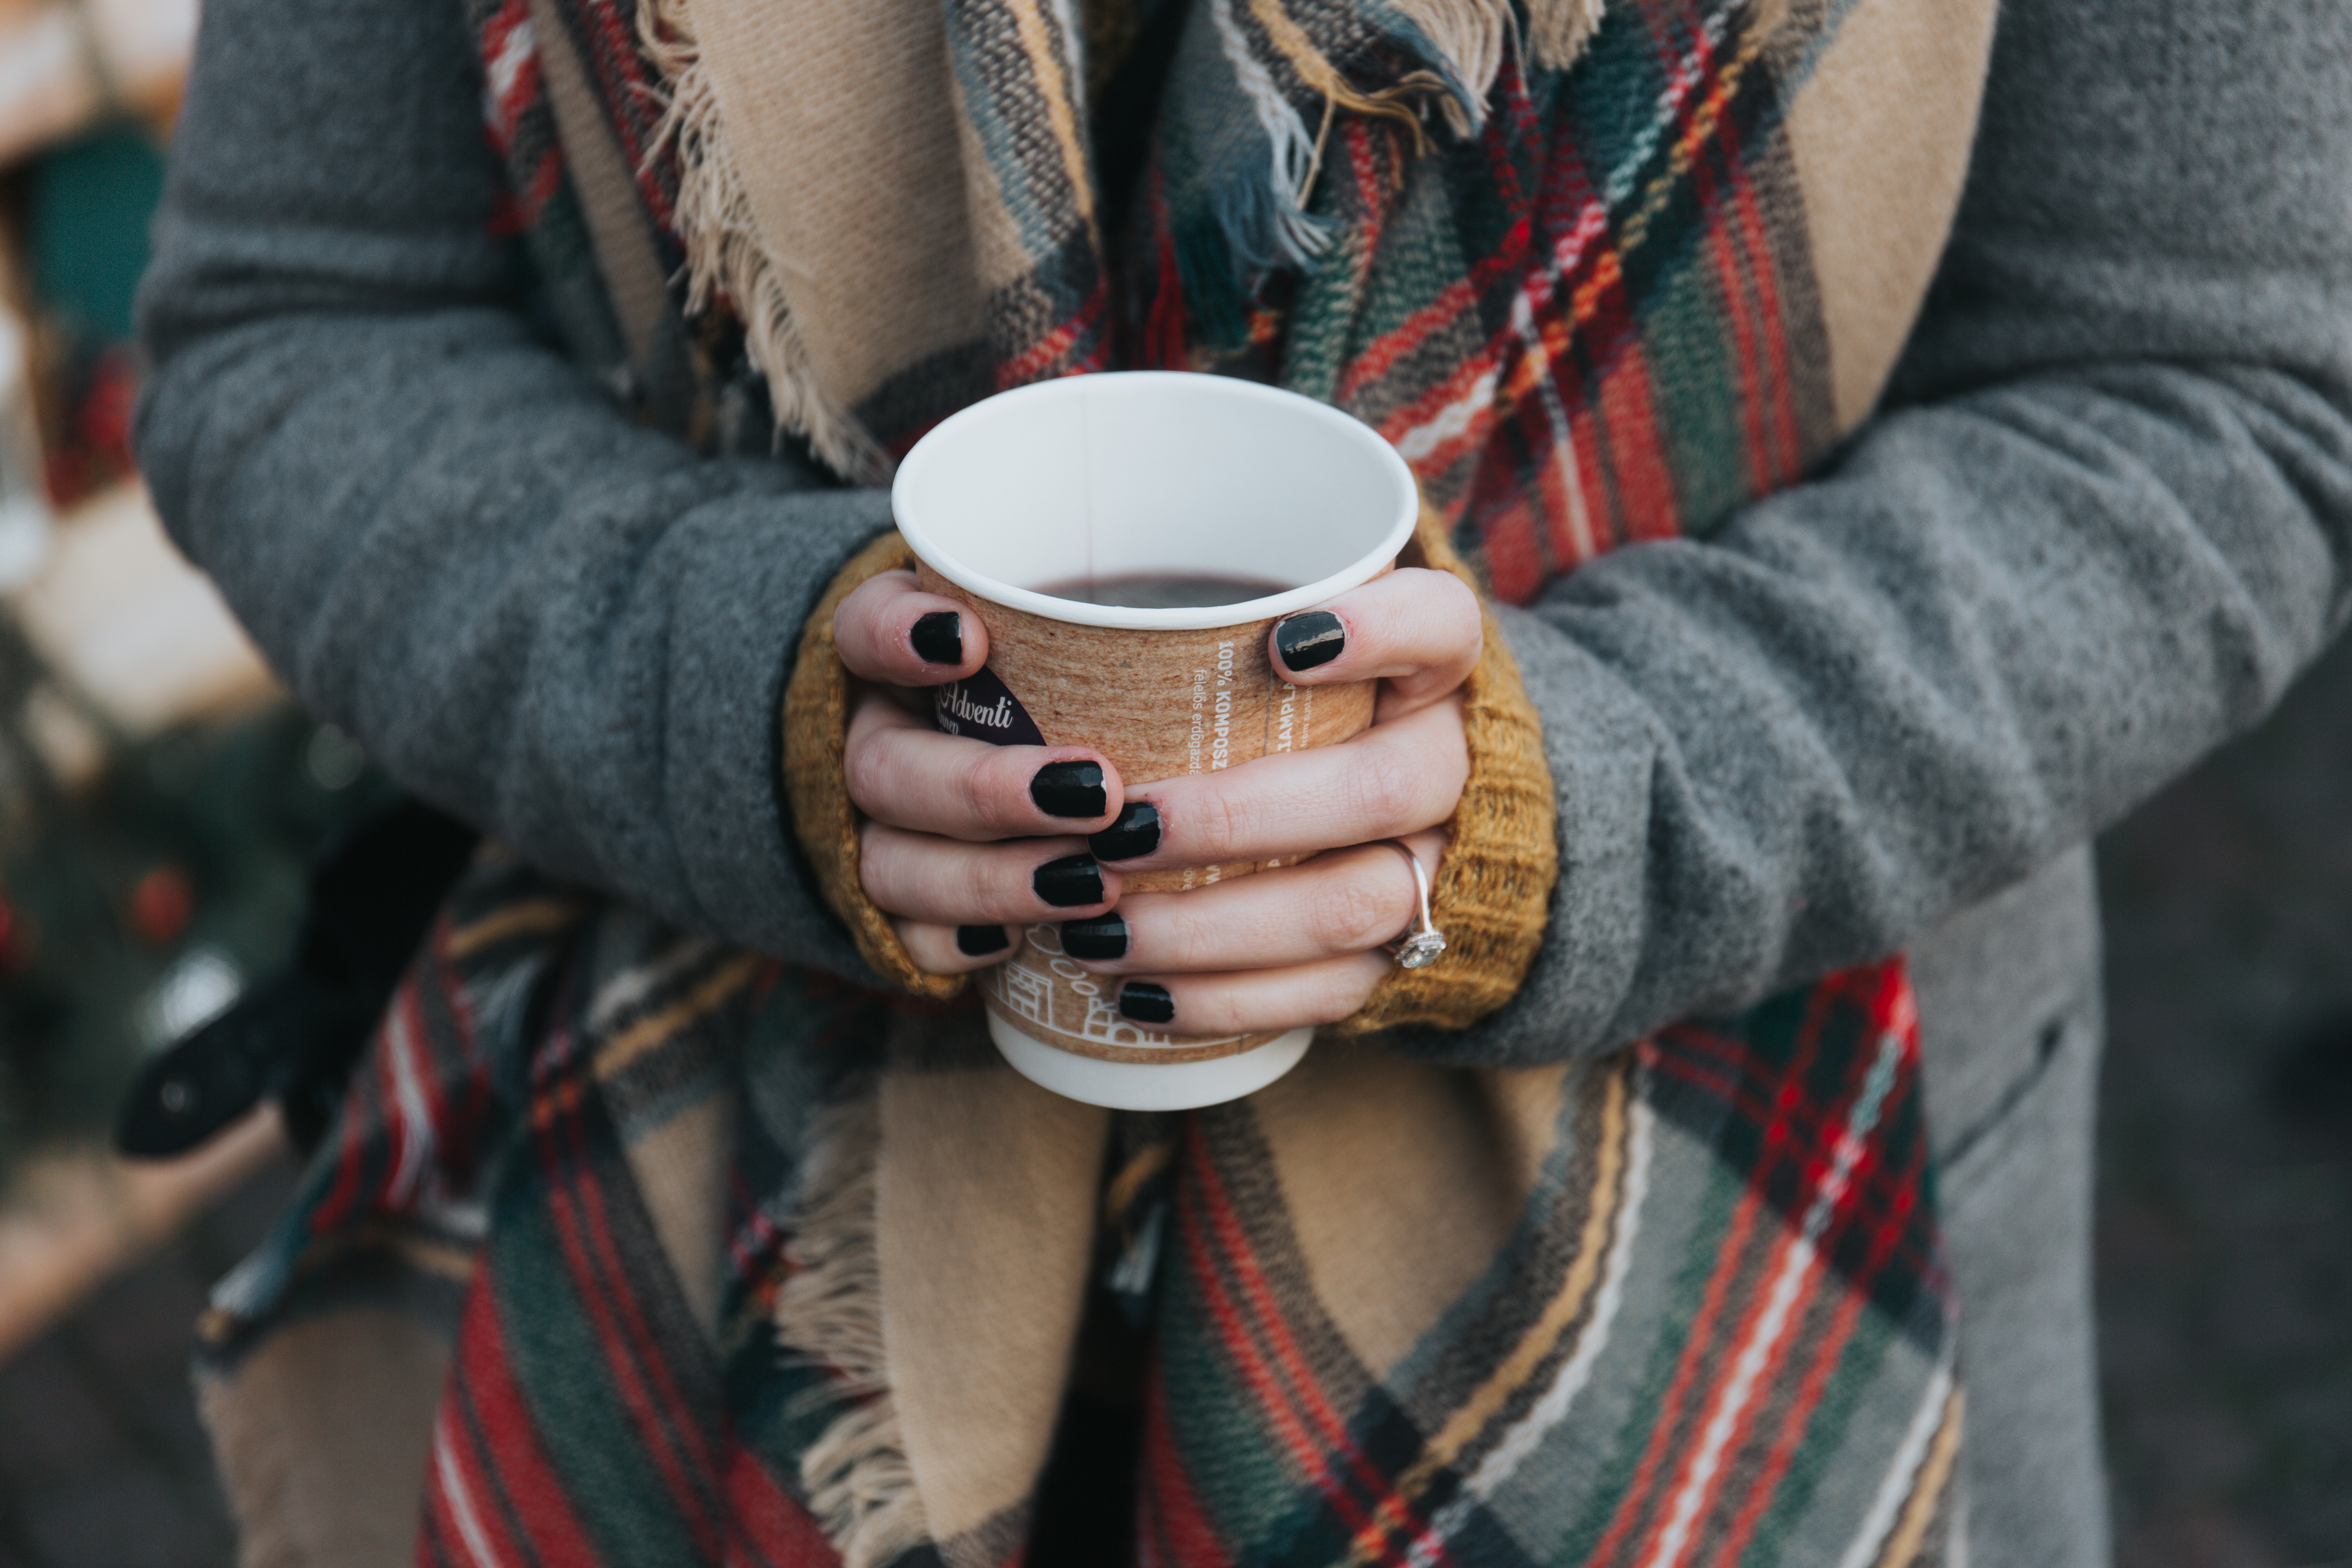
1419	948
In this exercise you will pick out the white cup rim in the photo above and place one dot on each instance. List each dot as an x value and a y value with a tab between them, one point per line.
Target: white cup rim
1194	618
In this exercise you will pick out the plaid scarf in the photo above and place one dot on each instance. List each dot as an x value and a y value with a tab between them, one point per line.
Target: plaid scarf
901	204
728	1261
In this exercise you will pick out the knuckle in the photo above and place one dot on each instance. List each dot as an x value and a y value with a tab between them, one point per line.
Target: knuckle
1384	786
1210	825
923	946
1179	932
1336	991
1460	602
856	621
865	770
997	790
1444	770
1004	880
975	793
874	869
1455	629
946	958
849	621
901	872
1344	914
1211	1011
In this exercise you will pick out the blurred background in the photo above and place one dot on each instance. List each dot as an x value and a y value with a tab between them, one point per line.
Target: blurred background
159	801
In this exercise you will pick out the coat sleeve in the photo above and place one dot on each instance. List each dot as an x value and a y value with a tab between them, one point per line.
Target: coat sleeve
572	632
2098	525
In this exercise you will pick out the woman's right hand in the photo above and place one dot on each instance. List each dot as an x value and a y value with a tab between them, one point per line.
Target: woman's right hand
964	842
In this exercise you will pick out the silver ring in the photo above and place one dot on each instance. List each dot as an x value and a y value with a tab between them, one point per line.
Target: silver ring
1416	949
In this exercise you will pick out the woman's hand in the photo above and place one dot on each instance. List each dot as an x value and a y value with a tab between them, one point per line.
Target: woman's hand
948	848
962	838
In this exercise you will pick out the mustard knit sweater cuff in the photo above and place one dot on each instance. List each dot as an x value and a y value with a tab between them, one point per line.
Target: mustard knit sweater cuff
1490	897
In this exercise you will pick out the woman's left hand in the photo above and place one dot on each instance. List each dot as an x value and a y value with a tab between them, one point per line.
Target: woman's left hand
1303	944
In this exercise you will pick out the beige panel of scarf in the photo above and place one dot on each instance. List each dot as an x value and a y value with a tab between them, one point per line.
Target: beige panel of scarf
833	191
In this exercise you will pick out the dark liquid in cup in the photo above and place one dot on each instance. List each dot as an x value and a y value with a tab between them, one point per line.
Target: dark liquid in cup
1165	590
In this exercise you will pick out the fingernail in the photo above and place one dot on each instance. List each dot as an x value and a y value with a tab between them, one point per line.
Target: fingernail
1071	881
1102	937
979	942
1069	789
938	637
1306	640
1134	832
1146	1002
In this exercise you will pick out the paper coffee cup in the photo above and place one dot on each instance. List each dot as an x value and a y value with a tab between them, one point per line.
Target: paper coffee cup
1148	474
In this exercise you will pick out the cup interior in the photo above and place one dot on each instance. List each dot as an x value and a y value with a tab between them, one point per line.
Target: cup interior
1154	472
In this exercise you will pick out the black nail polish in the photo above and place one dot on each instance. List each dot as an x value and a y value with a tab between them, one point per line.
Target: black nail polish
1102	937
1133	833
1069	881
1146	1002
1069	789
1306	640
979	942
938	637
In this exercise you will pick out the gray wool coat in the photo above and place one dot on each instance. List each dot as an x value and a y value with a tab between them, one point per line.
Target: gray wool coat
2099	522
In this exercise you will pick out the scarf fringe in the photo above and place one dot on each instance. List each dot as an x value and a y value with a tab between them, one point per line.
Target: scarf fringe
860	1482
1472	36
724	256
1266	223
1469	37
1558	30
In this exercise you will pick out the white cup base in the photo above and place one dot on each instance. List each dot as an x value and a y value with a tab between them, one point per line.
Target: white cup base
1145	1085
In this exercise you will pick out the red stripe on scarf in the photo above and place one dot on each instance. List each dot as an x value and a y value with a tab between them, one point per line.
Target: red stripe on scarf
1784	443
373	1122
1042	356
626	81
1671	1055
1264	1379
490	1439
1510	122
1163	332
1735	241
1755	400
1701	1344
1282	1369
1432	404
768	1527
1646	507
1829	1351
662	1420
1172	1528
504	103
1830	1346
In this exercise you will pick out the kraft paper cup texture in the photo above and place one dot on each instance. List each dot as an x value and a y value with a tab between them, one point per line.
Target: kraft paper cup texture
1115	475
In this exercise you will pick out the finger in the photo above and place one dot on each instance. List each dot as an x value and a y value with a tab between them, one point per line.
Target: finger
1246	1002
944	882
956	949
1352	901
1394	779
902	771
891	631
1418	630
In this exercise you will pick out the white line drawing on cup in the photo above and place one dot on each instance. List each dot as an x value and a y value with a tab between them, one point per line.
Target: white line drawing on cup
1028	993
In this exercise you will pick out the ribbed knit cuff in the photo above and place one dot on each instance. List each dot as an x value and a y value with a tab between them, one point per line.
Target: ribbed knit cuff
1492	889
816	788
